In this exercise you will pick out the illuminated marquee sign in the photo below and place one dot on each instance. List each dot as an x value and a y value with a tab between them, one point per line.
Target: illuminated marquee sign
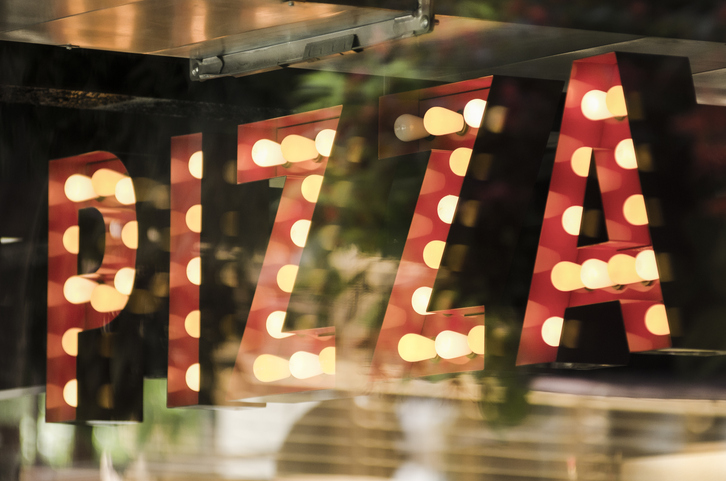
383	264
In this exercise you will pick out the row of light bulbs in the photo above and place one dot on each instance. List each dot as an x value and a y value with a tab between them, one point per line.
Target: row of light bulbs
447	345
293	149
599	105
624	157
620	269
103	297
634	212
439	121
103	183
301	365
129	237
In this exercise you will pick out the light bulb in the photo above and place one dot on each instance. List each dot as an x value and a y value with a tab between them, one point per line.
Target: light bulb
70	393
192	377
299	232
79	188
634	210
594	274
475	338
621	269
193	324
447	208
104	182
433	252
441	121
646	266
286	277
269	368
580	161
124	191
565	276
552	331
459	161
415	348
296	148
310	187
327	360
123	281
324	142
70	239
130	234
615	101
572	219
267	153
656	320
474	112
409	127
194	271
451	344
196	164
78	290
625	154
304	365
274	324
594	105
69	341
193	218
420	299
107	299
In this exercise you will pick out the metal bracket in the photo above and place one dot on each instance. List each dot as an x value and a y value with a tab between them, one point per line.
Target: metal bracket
309	49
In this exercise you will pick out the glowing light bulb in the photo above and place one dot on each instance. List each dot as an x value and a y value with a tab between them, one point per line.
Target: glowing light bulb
70	239
475	338
192	377
580	161
625	154
552	331
310	187
286	277
634	210
451	344
441	121
459	161
646	266
615	101
621	269
123	281
296	148
193	324
130	234
594	105
433	252
594	274
70	393
327	360
565	276
304	365
79	188
107	299
409	127
267	153
572	219
194	271
420	299
269	368
324	142
274	324
656	320
124	191
447	208
78	290
104	182
69	341
193	218
415	348
299	232
474	112
196	164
